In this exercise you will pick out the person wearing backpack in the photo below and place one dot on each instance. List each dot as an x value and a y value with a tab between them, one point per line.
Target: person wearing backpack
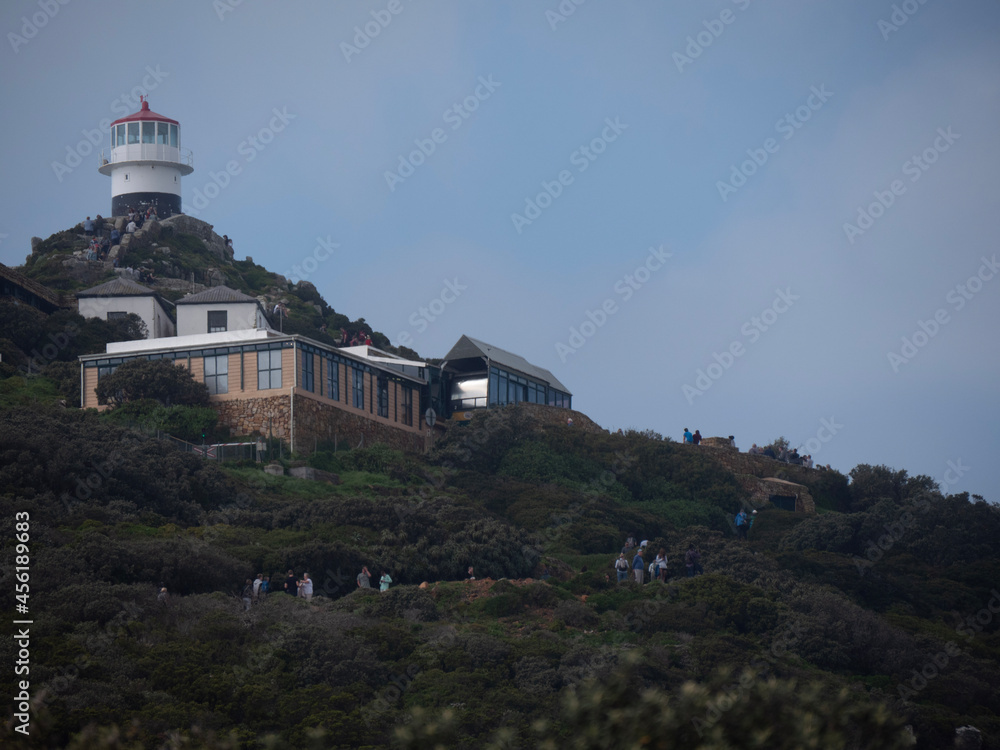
621	566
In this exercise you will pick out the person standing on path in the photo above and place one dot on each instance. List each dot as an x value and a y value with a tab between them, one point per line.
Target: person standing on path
364	578
638	566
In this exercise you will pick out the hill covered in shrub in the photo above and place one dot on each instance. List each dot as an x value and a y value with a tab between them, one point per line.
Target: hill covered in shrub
835	629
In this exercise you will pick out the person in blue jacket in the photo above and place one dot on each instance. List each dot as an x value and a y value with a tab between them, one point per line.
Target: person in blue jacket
638	566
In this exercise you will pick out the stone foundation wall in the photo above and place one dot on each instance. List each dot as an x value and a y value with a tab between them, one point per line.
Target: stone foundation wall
315	421
249	416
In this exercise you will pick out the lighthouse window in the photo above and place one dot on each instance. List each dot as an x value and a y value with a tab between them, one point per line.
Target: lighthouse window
161	133
120	135
147	131
133	132
173	136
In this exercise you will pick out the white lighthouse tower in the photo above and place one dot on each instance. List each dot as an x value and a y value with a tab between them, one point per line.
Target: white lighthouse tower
146	163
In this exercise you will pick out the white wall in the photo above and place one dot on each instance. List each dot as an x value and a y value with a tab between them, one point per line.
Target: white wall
145	178
158	323
193	319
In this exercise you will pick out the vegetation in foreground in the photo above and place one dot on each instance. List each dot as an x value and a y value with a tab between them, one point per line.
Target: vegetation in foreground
836	628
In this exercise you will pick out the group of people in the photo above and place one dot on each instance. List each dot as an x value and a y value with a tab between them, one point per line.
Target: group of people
693	438
140	216
365	579
657	568
358	339
787	456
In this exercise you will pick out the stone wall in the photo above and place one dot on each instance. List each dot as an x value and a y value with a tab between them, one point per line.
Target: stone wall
314	421
249	416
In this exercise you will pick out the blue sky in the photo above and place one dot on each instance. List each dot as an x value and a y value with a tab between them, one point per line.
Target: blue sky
743	137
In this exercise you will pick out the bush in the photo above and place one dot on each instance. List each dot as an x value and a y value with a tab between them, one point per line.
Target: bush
160	380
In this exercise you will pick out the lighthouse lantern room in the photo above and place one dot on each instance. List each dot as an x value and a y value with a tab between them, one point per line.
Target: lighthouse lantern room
146	163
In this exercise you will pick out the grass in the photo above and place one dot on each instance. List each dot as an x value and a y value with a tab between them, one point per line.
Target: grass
35	391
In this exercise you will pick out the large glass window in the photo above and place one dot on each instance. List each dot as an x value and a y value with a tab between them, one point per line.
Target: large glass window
148	129
308	379
217	321
269	369
407	406
162	133
383	396
332	379
173	136
120	135
359	387
133	132
217	373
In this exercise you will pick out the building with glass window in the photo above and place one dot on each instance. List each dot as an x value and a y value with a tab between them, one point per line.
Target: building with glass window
288	386
119	297
146	163
481	376
218	309
292	387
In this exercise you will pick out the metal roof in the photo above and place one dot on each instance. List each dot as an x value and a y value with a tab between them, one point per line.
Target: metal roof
216	294
145	113
118	288
468	347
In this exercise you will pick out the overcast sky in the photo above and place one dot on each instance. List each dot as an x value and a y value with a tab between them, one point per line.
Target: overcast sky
669	205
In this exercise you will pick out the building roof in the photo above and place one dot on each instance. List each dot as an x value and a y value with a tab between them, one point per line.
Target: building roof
468	347
51	296
145	114
118	288
215	295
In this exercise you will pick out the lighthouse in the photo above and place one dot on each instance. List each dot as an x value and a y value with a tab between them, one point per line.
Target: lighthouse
146	163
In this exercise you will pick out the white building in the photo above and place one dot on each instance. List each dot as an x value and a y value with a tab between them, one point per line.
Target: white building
219	309
146	163
119	297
